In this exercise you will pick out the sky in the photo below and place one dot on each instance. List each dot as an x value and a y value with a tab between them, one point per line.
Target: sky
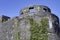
12	8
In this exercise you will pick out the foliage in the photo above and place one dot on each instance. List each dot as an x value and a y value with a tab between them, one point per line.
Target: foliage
16	36
38	32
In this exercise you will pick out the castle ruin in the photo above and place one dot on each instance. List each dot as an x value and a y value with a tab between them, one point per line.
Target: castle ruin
29	25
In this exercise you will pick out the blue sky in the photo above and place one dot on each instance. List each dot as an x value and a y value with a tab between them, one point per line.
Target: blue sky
12	7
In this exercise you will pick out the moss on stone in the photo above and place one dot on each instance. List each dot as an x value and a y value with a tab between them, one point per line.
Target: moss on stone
16	33
38	32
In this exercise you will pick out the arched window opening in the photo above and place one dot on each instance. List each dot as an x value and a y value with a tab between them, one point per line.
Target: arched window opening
31	9
44	9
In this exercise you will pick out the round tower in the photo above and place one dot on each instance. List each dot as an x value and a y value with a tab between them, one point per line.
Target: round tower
38	12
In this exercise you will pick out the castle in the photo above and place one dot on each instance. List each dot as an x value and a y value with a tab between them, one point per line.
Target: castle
18	28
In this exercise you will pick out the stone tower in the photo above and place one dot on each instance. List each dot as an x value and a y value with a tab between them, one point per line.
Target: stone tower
35	22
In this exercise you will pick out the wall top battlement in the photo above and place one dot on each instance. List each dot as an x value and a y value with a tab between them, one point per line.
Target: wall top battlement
35	8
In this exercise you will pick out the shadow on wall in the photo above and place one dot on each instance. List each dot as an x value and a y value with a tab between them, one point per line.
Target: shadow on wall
59	29
59	22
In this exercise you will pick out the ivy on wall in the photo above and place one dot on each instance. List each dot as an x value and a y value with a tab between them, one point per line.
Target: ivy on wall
16	33
38	32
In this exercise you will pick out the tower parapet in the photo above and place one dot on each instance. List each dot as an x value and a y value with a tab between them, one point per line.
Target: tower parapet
34	9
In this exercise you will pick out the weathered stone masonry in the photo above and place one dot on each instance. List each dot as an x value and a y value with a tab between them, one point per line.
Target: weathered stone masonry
35	22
